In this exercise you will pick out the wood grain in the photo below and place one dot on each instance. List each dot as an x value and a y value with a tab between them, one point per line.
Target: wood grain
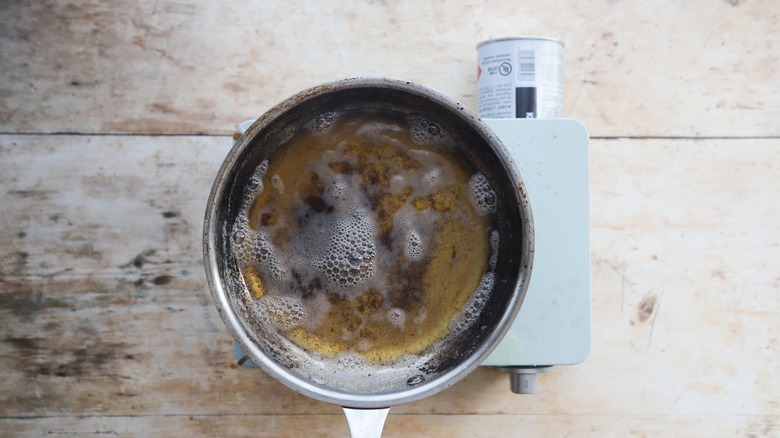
108	327
648	69
397	426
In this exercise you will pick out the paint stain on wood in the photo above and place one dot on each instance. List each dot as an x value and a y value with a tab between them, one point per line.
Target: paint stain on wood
37	195
161	280
47	356
139	260
646	307
22	299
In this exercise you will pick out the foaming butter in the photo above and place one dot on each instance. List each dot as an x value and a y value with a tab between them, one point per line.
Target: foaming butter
366	234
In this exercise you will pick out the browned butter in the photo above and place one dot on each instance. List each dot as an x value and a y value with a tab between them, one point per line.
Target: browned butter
365	233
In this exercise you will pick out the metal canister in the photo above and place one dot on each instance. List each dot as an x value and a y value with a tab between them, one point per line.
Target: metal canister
520	77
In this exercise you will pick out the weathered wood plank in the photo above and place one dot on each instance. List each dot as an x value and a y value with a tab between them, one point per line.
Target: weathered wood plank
698	68
397	426
104	312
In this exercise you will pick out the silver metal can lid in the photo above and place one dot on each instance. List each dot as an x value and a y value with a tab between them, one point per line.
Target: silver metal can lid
519	38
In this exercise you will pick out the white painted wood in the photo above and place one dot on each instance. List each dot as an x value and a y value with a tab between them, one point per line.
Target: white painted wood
402	426
107	324
668	68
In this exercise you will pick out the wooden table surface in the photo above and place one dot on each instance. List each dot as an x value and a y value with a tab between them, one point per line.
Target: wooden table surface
115	116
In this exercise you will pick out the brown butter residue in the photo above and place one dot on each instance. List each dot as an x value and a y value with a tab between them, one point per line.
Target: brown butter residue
427	291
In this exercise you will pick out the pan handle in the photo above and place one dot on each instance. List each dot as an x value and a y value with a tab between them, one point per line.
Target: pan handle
366	423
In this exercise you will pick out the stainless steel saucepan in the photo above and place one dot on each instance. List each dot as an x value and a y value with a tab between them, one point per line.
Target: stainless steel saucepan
367	394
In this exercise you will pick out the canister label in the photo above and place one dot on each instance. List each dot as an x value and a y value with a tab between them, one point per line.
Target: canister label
520	78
